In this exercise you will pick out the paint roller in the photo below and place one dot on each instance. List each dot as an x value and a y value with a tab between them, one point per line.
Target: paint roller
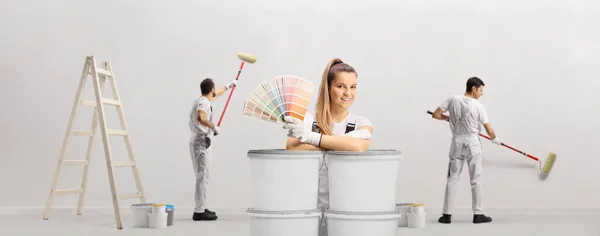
544	169
245	57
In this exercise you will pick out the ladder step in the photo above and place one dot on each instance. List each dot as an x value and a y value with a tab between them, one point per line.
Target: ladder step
87	103
75	162
89	133
111	101
103	72
116	132
67	191
123	164
129	196
104	100
81	132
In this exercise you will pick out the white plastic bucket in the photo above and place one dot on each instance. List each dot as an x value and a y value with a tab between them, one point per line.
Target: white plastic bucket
284	180
158	220
287	223
362	223
363	181
404	209
140	213
417	220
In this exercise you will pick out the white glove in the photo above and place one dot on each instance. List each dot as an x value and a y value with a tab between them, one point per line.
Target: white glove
231	84
496	141
298	130
216	130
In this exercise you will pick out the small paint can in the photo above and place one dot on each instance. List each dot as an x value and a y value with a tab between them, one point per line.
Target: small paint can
171	213
158	208
417	208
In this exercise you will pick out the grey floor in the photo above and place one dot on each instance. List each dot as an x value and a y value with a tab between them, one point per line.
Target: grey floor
28	222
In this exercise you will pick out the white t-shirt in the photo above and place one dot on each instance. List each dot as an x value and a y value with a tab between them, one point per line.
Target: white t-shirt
339	129
466	115
201	103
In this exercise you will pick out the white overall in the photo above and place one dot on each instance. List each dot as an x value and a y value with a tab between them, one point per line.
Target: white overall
466	117
200	151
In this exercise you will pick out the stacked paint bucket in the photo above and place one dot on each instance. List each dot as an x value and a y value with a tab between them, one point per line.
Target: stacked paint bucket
362	193
413	215
284	191
152	215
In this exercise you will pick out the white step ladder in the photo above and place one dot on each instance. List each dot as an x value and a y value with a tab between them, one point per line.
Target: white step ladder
99	76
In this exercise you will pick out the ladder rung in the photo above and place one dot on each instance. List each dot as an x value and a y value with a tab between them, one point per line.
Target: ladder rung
88	103
81	132
116	132
103	72
104	100
123	164
68	191
75	162
111	101
129	196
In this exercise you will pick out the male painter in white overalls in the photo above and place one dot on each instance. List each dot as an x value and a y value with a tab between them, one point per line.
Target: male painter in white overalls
466	115
201	127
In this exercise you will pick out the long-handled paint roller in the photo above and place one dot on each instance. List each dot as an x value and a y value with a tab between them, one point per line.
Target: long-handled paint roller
544	171
245	57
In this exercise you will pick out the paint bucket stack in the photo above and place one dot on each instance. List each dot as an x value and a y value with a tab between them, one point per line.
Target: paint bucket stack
416	217
404	209
284	192
157	219
152	215
362	193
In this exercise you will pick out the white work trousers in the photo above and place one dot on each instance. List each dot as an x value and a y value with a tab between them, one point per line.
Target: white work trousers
469	149
200	150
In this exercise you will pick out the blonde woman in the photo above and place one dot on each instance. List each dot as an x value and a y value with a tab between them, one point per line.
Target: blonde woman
333	127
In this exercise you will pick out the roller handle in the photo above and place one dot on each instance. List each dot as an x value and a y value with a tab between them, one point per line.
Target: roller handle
503	144
230	93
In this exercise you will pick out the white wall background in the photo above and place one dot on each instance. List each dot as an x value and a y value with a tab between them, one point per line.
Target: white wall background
412	54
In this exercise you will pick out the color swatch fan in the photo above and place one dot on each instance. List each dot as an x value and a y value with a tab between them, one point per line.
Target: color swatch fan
278	97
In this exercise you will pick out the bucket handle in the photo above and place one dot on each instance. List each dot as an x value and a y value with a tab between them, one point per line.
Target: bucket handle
323	220
323	163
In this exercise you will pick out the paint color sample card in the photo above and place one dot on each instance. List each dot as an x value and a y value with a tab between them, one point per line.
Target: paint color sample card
278	97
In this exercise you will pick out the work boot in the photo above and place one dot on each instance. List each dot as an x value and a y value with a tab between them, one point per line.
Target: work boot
203	216
210	212
445	219
481	218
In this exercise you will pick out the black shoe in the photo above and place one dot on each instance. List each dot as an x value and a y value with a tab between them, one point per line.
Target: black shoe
210	212
445	219
481	218
203	216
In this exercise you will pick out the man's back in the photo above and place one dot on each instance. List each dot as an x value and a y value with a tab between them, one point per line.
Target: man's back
466	114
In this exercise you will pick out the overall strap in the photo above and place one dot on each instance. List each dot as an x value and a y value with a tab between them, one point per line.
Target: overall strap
315	127
350	125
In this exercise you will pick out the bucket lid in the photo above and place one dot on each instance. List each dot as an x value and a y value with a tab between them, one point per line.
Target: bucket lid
284	214
158	205
369	154
417	205
285	154
170	207
385	215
